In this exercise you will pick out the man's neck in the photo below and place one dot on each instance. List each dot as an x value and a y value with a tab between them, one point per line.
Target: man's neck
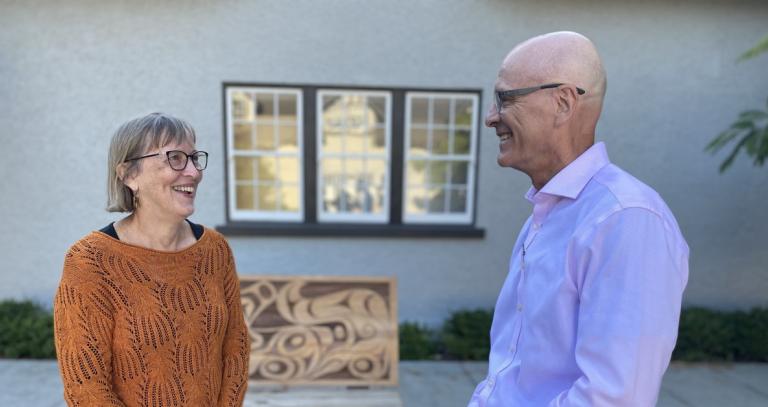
556	164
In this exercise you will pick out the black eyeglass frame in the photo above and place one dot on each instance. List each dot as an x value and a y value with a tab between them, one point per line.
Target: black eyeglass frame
505	94
195	156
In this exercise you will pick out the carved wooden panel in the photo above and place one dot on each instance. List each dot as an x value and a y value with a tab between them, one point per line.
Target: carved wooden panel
315	330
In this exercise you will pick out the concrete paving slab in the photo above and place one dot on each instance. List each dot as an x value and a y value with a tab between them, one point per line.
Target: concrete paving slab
27	383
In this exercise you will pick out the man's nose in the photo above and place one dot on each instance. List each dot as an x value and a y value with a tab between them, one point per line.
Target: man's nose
492	116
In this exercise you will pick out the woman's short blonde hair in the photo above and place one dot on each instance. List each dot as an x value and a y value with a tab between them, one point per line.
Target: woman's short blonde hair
133	139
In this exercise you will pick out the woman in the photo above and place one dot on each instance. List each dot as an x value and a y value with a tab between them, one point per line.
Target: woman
148	309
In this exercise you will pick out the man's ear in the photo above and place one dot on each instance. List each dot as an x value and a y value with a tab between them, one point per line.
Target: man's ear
565	104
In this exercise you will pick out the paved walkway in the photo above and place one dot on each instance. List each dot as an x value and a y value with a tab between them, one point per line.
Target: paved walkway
447	384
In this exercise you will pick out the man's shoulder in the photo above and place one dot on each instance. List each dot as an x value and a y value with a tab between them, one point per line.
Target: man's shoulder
620	190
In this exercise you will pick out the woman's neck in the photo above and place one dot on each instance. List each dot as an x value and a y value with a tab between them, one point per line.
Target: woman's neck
158	234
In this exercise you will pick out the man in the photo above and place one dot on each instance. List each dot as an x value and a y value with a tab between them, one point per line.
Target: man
589	311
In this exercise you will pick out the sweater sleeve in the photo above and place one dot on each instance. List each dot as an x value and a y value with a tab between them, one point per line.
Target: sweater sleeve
83	327
236	347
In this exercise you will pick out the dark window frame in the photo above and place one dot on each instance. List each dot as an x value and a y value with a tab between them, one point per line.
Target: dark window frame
310	226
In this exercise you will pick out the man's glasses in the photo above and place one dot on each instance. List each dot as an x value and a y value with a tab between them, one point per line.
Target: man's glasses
503	95
178	159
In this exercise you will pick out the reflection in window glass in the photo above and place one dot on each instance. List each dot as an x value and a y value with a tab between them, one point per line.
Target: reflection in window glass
353	156
439	157
264	129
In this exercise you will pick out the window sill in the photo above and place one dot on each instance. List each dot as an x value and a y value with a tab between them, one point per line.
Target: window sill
349	230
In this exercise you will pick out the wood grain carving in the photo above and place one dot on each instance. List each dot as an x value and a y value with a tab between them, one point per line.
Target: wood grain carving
339	331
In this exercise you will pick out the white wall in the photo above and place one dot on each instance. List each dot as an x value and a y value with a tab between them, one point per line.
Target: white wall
71	73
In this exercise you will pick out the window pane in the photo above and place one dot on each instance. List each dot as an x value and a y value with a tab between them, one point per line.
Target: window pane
289	169
332	141
353	168
377	171
357	114
245	168
355	141
418	141
267	197
436	197
458	200
243	136
265	136
287	107
440	140
463	112
459	172
419	110
267	168
289	198
461	140
288	138
244	197
416	172
377	140
438	172
416	201
378	108
265	108
242	106
441	113
331	168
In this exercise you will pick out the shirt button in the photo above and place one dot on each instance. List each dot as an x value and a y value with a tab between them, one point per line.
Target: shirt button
490	383
536	226
519	307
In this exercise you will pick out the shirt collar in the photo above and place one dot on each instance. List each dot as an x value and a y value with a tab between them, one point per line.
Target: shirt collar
572	179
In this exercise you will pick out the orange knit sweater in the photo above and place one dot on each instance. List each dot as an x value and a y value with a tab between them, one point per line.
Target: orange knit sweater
139	327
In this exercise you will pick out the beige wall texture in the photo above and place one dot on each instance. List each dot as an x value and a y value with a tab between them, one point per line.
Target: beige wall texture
70	72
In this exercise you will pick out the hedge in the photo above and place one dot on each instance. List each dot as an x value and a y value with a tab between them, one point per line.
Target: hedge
26	331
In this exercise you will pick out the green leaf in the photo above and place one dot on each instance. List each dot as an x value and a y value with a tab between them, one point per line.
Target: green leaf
762	46
721	140
729	160
753	115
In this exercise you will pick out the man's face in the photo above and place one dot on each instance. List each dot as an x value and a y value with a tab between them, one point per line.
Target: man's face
523	125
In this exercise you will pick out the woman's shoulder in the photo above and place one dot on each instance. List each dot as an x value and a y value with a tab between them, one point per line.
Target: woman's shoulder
84	259
213	236
90	244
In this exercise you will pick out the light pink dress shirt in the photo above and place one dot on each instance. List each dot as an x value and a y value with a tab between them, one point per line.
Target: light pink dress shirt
589	311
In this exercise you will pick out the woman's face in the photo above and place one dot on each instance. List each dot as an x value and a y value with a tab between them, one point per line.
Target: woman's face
162	191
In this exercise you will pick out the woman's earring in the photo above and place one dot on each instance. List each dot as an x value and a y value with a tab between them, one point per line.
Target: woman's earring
135	199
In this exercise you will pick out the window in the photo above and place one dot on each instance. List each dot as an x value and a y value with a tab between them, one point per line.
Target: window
265	150
310	160
353	156
439	157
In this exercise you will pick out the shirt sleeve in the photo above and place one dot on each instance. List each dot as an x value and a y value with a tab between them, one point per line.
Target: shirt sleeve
236	347
83	327
631	268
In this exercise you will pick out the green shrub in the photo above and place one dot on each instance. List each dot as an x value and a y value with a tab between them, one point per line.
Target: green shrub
707	335
704	335
750	336
26	330
417	342
466	335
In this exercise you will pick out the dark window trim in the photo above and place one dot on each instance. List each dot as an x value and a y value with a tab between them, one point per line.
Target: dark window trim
310	227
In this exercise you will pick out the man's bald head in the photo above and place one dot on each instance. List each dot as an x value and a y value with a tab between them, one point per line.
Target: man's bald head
563	56
542	131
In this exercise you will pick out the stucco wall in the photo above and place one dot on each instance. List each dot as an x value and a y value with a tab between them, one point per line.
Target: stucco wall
71	73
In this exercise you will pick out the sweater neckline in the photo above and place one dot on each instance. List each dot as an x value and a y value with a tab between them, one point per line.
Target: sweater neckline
117	242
